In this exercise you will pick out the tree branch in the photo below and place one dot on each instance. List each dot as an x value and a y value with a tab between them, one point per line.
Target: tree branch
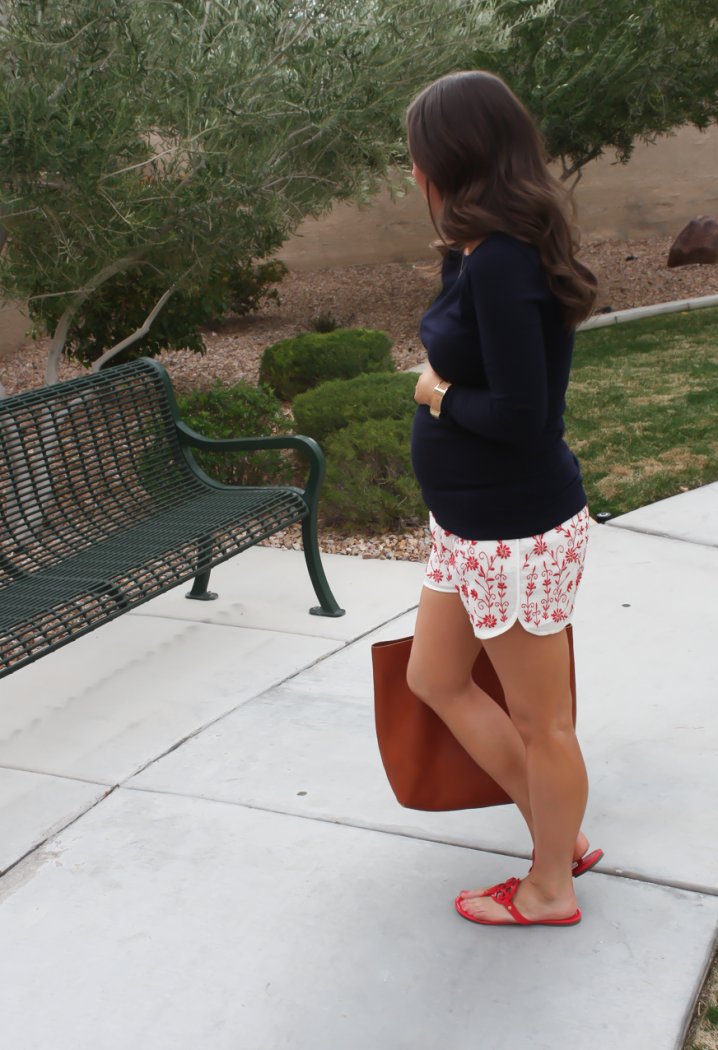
579	164
63	325
137	334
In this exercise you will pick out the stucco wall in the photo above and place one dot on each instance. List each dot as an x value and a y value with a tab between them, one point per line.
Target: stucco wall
657	192
13	326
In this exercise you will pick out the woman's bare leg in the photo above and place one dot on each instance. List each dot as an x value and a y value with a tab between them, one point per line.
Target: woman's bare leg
442	657
534	672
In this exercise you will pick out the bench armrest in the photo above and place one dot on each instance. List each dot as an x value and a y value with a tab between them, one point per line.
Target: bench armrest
307	446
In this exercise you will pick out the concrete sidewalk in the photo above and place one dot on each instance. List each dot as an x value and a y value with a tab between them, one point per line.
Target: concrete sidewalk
213	857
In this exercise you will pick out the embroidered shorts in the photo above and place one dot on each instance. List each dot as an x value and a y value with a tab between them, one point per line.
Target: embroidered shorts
531	580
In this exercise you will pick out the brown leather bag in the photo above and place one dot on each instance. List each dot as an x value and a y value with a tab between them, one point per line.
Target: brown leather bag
426	765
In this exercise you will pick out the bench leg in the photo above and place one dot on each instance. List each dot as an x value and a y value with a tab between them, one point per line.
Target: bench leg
199	588
328	605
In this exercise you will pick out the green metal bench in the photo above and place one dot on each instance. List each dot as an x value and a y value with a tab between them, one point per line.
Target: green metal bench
104	507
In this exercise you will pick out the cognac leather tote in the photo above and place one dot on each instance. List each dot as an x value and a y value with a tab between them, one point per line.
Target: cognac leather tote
426	765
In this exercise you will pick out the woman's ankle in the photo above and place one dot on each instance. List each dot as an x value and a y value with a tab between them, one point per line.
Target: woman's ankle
549	888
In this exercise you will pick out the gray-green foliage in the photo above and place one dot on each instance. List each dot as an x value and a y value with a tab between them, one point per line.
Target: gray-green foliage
334	405
598	74
294	365
238	411
168	138
370	481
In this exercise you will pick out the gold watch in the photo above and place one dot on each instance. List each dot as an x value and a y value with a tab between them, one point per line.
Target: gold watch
437	397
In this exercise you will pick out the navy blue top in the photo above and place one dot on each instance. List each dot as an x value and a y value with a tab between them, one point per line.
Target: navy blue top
495	465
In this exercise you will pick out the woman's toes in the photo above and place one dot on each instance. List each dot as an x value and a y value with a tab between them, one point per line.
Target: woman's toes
486	908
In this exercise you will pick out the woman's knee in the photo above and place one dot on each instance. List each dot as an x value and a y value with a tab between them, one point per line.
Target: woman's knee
433	689
546	734
420	682
542	723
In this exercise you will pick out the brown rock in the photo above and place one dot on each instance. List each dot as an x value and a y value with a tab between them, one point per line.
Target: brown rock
696	243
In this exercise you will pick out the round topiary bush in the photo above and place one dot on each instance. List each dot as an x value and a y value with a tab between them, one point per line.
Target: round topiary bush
334	405
239	411
292	366
370	481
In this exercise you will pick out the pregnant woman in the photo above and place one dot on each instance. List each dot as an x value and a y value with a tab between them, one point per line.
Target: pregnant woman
508	510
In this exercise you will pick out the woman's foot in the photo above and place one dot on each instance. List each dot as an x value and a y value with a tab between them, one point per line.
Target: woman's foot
580	850
529	900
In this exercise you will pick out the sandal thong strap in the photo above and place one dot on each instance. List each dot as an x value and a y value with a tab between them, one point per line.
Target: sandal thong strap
504	894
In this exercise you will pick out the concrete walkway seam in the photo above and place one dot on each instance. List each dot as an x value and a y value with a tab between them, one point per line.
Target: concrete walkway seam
340	647
58	831
702	978
660	535
411	833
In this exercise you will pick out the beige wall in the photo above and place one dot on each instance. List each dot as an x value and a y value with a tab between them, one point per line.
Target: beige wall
13	326
661	188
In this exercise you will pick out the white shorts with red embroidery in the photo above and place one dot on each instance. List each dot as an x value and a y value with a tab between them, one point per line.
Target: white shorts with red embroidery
531	580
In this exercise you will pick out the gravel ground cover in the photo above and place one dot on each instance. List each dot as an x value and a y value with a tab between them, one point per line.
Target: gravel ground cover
391	297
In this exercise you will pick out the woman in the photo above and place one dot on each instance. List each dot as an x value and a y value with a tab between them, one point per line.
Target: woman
508	510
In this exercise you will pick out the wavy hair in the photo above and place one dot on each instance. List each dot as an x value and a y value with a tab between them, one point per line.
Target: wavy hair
477	144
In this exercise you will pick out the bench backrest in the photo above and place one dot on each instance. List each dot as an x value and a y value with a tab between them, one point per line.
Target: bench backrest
83	459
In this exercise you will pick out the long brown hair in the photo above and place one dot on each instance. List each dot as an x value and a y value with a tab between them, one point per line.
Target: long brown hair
478	145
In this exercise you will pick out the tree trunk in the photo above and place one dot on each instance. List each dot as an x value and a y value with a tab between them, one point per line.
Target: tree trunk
63	326
137	334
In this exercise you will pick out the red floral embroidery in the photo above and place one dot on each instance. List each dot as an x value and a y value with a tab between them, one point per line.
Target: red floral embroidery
534	578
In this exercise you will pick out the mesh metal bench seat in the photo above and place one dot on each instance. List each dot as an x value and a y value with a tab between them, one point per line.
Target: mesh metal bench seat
104	507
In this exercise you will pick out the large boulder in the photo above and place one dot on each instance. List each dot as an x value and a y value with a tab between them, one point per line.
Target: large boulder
696	243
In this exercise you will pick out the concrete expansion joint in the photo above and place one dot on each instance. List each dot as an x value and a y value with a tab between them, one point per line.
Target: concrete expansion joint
660	535
341	647
406	833
57	831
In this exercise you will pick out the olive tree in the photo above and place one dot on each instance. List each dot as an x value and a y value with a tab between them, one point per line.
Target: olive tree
168	137
601	74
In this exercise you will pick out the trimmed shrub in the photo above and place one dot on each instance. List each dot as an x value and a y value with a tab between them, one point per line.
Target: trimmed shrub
370	481
334	405
292	366
239	411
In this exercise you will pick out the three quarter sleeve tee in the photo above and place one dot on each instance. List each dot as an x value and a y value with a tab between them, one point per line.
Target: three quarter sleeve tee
495	465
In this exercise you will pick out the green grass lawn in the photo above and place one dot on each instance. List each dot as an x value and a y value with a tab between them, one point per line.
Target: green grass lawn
642	409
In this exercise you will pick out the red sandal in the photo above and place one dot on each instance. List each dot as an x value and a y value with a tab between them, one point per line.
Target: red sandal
580	868
590	860
504	894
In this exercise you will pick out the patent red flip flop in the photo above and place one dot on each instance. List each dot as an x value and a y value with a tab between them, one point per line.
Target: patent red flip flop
580	867
504	894
586	863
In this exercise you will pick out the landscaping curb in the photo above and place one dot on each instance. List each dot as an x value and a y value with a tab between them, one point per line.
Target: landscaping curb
619	316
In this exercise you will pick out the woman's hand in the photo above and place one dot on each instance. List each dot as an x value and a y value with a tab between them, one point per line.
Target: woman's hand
425	387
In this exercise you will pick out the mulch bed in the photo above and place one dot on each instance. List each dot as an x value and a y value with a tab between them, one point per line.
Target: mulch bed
391	297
